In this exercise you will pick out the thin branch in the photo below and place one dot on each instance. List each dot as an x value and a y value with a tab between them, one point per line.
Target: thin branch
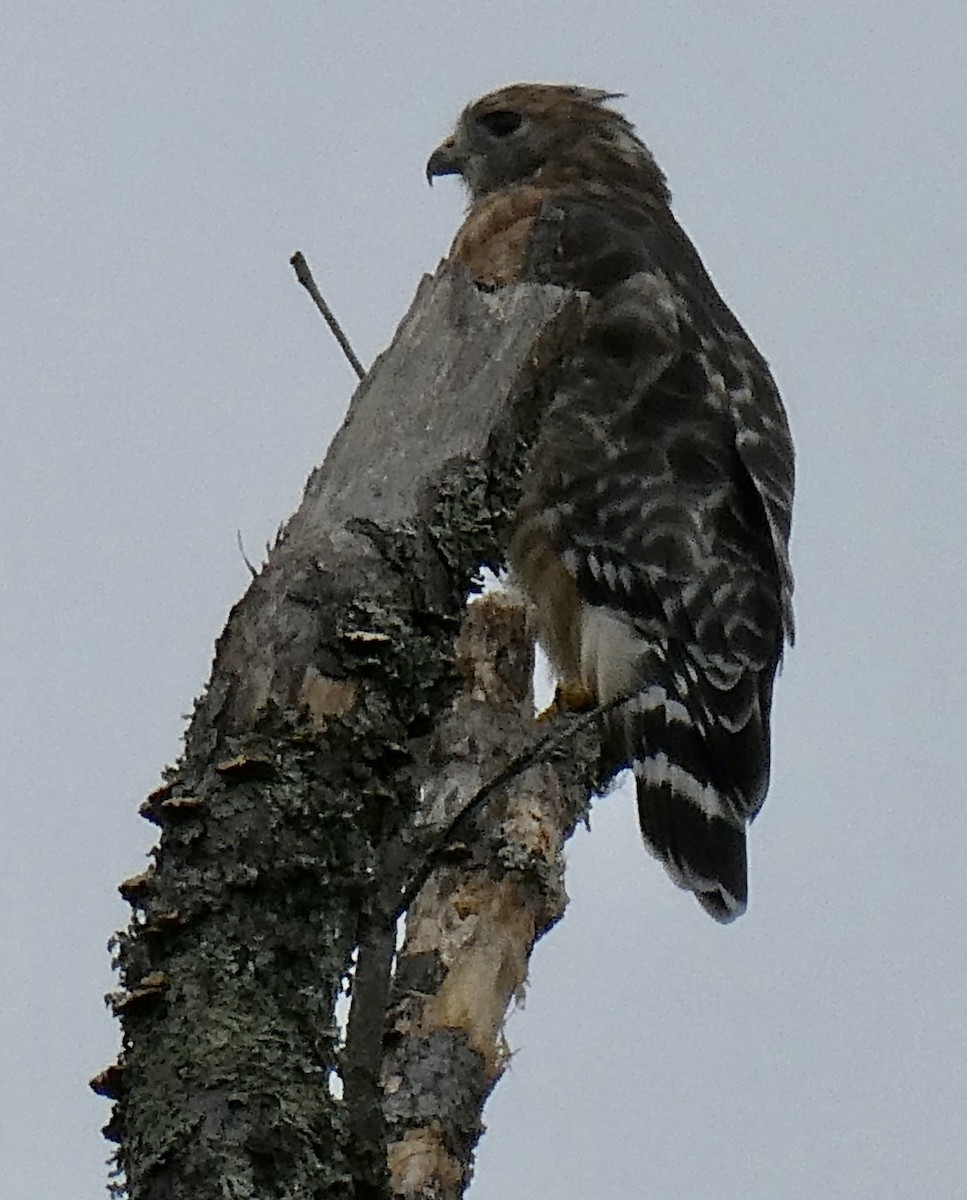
245	559
400	894
304	276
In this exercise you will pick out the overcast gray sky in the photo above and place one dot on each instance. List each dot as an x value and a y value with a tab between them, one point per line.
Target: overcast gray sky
165	382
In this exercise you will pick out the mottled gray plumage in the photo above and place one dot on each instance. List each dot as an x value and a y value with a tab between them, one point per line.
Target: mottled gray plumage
652	539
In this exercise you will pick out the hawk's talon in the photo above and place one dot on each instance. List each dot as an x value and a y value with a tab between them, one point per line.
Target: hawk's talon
569	698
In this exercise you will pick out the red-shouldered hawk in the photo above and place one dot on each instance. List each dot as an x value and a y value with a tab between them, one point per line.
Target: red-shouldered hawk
652	537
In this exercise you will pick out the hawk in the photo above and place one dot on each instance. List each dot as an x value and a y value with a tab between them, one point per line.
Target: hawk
651	541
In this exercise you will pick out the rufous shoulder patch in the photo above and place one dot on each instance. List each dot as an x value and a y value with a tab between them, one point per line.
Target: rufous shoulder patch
494	239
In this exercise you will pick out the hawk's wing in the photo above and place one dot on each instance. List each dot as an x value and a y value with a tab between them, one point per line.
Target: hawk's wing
665	475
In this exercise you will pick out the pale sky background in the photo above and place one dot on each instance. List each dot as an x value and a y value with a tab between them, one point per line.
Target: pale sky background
165	382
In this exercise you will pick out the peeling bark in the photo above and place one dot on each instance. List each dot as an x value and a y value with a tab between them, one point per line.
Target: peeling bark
304	781
471	930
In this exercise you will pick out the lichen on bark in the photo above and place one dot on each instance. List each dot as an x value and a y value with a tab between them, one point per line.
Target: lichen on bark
307	757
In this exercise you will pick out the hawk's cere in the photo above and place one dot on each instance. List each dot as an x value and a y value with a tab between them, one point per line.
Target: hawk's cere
652	537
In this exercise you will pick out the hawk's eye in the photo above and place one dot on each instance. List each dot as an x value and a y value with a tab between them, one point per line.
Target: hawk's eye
501	123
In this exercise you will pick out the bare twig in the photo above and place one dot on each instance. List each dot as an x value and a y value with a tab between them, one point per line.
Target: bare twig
402	892
245	559
304	276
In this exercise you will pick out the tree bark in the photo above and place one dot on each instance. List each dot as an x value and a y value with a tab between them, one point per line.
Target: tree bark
318	775
497	890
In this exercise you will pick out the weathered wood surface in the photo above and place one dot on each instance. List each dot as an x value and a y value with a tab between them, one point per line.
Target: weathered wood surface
497	890
305	763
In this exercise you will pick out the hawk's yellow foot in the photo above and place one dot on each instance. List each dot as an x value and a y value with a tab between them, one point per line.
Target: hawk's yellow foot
574	697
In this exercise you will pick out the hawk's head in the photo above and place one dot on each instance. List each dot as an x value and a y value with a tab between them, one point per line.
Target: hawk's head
548	135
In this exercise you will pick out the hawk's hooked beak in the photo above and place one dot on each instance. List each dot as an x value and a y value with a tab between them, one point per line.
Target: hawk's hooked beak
444	160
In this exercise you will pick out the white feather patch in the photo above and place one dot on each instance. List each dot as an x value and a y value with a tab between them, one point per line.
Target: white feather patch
611	649
658	769
656	697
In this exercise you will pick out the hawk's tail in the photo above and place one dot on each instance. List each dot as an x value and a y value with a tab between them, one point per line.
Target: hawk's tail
701	852
700	759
